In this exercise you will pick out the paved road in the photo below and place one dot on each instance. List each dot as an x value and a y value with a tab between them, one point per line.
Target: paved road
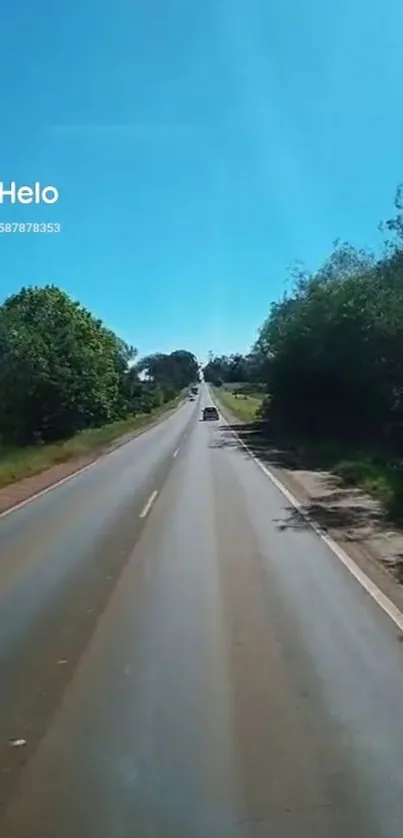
208	670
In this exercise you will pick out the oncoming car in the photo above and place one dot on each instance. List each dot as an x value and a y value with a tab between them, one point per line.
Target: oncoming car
210	413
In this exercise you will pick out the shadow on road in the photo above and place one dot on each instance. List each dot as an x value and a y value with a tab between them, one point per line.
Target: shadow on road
354	523
256	436
343	510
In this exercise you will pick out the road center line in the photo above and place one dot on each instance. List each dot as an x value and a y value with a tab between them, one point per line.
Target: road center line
97	459
149	504
175	454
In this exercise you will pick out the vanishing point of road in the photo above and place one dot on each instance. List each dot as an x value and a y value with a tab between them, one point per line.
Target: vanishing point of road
178	659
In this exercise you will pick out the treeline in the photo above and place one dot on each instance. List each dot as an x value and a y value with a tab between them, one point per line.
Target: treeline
62	370
232	369
330	352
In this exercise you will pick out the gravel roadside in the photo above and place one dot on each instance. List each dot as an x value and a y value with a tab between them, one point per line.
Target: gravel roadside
352	518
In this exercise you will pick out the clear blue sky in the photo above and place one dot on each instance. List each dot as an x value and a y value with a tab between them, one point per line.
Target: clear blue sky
199	148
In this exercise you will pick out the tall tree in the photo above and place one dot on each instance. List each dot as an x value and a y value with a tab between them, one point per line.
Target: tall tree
60	368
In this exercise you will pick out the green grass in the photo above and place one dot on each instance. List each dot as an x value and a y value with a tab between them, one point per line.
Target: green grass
376	476
374	472
246	388
17	463
244	407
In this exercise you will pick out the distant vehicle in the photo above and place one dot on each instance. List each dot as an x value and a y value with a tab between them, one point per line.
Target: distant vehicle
195	390
210	413
191	398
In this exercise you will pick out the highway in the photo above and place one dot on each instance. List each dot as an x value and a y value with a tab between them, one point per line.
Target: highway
177	660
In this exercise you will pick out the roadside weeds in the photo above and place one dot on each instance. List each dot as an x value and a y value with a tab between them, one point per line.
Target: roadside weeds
27	472
355	519
243	406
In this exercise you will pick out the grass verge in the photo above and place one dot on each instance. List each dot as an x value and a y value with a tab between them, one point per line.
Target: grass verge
243	407
17	463
380	477
378	473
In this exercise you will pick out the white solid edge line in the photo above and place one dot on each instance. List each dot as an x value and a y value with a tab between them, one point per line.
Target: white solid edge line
371	588
75	473
149	504
50	488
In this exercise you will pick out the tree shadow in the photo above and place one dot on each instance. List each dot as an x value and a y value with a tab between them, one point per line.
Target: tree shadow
398	567
258	439
262	442
352	522
225	438
339	508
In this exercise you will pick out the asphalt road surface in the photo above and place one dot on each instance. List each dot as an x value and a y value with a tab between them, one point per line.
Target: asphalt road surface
179	658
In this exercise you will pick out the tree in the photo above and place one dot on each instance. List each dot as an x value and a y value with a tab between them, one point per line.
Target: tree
61	370
232	368
171	373
333	348
395	224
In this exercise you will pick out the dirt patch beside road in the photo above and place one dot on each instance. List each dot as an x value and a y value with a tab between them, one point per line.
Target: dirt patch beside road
354	519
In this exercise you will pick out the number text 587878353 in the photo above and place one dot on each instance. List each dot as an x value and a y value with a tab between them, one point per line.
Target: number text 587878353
30	227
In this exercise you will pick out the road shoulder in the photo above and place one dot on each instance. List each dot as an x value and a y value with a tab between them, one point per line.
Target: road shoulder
350	517
20	491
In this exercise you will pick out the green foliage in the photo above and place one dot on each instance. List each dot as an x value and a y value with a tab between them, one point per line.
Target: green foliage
232	368
331	355
19	462
60	368
245	407
63	371
333	349
171	372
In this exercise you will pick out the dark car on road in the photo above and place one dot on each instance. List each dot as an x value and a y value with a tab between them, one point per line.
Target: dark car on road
210	413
